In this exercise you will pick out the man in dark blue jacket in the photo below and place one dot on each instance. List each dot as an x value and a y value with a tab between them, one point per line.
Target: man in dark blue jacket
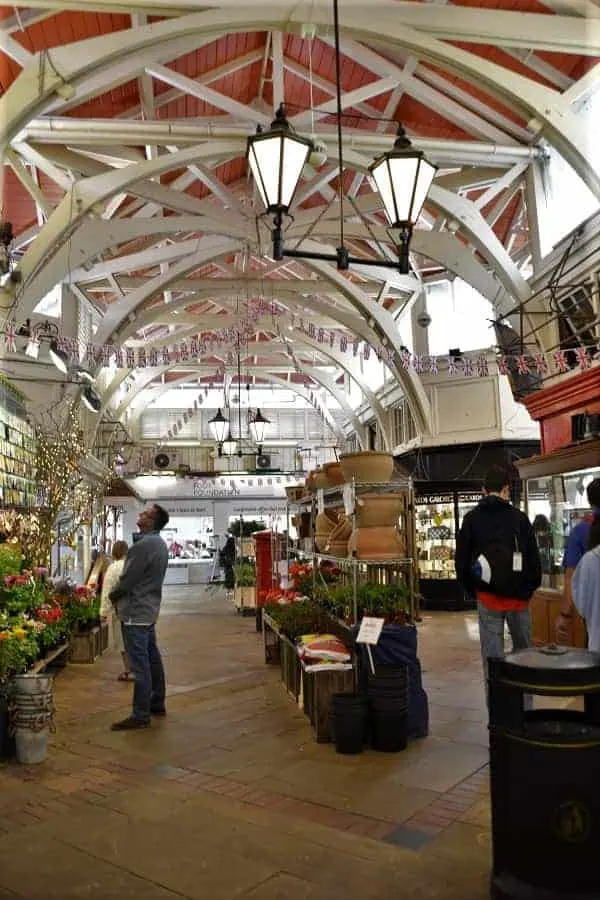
498	561
138	596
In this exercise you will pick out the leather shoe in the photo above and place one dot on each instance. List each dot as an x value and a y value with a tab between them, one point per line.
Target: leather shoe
129	724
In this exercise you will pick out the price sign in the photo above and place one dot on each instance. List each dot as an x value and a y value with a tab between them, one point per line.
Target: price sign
370	630
320	501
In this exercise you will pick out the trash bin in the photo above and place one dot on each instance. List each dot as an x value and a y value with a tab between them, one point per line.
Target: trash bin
545	776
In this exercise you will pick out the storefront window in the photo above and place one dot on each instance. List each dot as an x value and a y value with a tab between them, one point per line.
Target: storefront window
555	504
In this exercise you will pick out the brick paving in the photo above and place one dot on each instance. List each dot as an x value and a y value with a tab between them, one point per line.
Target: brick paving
236	753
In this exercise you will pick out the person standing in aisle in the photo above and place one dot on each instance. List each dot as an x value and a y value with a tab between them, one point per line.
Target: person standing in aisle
585	586
139	594
108	610
227	560
577	545
498	562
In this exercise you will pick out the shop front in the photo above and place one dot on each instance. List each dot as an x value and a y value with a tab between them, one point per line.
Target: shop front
448	483
555	483
202	512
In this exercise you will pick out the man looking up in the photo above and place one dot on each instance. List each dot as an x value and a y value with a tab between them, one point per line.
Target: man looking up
138	594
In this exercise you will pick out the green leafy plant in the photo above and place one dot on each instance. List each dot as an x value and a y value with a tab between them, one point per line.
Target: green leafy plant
295	619
245	574
245	527
10	561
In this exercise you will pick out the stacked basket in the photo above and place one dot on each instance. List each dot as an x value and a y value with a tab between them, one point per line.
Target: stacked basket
387	691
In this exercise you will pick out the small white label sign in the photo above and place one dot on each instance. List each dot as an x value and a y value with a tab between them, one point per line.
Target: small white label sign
320	501
370	630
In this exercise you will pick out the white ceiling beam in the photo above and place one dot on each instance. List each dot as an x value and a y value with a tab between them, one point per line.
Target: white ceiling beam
100	132
502	184
278	70
14	49
208	95
443	105
224	71
529	59
216	186
316	184
33	156
33	189
348	99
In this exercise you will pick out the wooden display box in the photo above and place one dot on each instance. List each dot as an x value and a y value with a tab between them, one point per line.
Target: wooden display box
86	647
545	606
317	691
271	638
291	668
244	599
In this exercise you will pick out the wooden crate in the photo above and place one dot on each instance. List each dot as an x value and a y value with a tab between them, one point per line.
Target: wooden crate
291	669
86	647
317	690
272	641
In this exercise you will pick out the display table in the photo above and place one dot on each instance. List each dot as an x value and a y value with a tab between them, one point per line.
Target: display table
189	571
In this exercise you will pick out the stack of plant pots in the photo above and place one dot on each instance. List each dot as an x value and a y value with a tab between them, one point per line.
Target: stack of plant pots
324	525
348	718
387	692
31	715
376	534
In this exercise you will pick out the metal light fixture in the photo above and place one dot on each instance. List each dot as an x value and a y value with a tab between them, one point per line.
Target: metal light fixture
403	177
219	426
258	428
276	158
229	445
91	400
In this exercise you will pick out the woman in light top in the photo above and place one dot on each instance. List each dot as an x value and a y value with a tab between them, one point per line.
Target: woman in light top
108	611
585	586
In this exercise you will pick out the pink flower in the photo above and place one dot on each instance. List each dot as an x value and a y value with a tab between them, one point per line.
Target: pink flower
40	571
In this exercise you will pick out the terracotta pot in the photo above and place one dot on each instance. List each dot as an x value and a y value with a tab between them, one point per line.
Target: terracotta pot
333	471
378	509
309	484
377	543
320	480
337	548
324	525
367	467
341	532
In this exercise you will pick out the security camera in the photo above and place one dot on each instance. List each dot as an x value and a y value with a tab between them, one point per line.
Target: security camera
424	320
318	157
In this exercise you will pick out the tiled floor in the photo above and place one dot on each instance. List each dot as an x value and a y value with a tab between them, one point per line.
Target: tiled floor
230	796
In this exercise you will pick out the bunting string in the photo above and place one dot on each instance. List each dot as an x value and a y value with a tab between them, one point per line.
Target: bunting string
225	342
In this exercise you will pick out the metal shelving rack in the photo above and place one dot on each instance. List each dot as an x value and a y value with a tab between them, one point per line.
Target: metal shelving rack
382	571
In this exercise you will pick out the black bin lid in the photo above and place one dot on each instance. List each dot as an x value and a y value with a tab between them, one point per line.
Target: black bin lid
554	657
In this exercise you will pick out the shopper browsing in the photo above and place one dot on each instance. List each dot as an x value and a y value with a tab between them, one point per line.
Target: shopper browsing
585	585
577	545
108	610
227	560
139	595
498	562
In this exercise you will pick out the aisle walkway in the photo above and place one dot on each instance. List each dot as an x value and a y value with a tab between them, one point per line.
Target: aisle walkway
230	796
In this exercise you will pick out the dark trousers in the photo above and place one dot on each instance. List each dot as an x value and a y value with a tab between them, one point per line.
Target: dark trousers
229	576
147	669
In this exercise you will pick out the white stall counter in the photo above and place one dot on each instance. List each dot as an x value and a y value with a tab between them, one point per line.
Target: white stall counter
189	571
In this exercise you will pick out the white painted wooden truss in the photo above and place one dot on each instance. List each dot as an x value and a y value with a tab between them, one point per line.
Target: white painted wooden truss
154	268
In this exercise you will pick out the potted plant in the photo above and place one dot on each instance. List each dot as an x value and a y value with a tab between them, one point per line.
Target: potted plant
245	586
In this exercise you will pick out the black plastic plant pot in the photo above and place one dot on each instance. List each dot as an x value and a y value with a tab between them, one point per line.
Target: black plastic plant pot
349	718
389	731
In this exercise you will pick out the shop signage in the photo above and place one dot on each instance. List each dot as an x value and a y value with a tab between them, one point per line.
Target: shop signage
209	488
258	508
429	499
187	507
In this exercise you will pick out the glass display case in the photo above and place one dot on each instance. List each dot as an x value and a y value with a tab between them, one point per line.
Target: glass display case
555	503
438	517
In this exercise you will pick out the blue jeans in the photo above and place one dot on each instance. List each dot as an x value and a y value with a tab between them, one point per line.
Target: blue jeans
491	635
147	668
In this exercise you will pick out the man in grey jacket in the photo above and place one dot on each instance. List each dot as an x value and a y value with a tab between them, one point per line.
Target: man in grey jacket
138	595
